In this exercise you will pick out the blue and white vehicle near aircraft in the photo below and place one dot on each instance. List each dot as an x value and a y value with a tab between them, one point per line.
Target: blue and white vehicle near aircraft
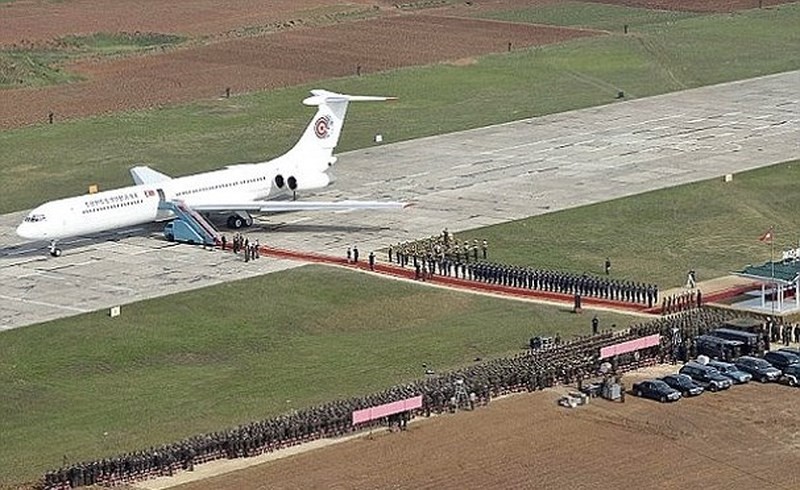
238	191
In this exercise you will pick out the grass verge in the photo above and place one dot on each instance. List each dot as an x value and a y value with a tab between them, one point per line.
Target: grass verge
711	226
92	386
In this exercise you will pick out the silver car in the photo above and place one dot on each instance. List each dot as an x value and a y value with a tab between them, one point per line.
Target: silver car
731	371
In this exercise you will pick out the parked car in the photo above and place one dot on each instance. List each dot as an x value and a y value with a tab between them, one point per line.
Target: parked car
657	390
684	384
790	350
706	376
781	359
731	371
791	376
759	368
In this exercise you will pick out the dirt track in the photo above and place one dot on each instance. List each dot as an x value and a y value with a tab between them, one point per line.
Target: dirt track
744	438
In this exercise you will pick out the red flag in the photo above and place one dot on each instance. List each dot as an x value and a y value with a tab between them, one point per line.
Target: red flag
766	237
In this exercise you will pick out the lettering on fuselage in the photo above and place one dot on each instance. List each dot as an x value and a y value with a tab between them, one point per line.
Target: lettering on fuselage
111	202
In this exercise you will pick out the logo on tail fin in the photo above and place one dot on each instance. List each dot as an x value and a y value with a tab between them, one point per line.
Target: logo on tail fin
322	127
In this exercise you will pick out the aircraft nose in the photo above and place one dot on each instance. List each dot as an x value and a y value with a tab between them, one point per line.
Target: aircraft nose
25	230
22	231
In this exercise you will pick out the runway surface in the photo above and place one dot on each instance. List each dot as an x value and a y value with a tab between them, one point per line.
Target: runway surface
460	181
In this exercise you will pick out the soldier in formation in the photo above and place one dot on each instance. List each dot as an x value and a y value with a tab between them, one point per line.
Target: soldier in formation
565	362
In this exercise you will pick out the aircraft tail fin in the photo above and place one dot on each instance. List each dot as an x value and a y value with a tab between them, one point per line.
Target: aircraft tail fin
146	175
322	134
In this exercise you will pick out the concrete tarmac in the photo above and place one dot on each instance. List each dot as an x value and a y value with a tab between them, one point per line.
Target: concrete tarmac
460	181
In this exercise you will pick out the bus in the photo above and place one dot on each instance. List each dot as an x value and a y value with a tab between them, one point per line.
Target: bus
718	348
752	345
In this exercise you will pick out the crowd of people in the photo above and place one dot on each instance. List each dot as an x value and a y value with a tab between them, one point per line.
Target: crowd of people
438	249
441	254
240	243
467	388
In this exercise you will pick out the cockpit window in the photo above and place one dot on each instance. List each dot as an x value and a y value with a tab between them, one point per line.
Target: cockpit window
34	218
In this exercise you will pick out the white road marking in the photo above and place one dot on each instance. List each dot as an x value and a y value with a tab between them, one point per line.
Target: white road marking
42	303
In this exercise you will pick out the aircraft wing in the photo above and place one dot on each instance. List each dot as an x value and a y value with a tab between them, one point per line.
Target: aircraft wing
283	206
146	175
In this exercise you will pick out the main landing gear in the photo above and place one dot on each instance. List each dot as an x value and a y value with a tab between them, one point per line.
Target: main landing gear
240	220
54	250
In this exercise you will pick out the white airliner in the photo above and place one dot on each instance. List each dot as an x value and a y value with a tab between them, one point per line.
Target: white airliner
236	190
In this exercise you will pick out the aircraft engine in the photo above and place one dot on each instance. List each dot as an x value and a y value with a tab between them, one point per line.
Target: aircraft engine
279	182
305	182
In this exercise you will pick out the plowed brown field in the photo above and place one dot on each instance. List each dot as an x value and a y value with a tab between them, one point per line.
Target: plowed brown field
276	60
747	437
280	59
40	20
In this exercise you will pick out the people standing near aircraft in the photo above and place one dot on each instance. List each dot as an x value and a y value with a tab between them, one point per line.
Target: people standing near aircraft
355	253
224	242
484	248
349	255
608	266
237	190
372	261
390	254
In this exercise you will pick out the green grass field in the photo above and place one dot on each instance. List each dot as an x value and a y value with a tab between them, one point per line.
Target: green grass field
590	15
50	161
212	358
39	66
712	227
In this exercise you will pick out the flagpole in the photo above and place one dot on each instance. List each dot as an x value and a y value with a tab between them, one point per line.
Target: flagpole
772	266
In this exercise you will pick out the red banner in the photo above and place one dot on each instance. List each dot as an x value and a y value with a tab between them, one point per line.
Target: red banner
380	411
630	346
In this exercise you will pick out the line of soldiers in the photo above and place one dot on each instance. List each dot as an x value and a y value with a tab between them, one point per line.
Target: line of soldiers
562	282
441	254
466	388
681	302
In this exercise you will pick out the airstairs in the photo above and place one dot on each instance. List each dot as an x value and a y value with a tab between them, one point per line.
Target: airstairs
189	226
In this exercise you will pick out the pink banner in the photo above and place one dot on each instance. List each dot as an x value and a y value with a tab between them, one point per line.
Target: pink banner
630	346
380	411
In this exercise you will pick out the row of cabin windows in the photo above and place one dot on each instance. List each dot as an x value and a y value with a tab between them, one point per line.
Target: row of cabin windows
221	186
113	206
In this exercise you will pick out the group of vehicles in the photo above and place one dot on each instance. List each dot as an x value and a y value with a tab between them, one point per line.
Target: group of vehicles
695	377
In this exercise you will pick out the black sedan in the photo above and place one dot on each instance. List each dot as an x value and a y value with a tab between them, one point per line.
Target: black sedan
657	390
781	359
759	368
684	384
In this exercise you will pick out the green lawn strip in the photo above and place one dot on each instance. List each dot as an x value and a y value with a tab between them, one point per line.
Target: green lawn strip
92	386
589	15
50	161
36	66
22	68
656	237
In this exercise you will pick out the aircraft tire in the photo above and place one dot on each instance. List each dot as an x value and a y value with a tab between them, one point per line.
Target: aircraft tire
235	222
56	252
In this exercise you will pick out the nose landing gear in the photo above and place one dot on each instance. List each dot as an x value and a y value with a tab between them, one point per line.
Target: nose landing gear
54	250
